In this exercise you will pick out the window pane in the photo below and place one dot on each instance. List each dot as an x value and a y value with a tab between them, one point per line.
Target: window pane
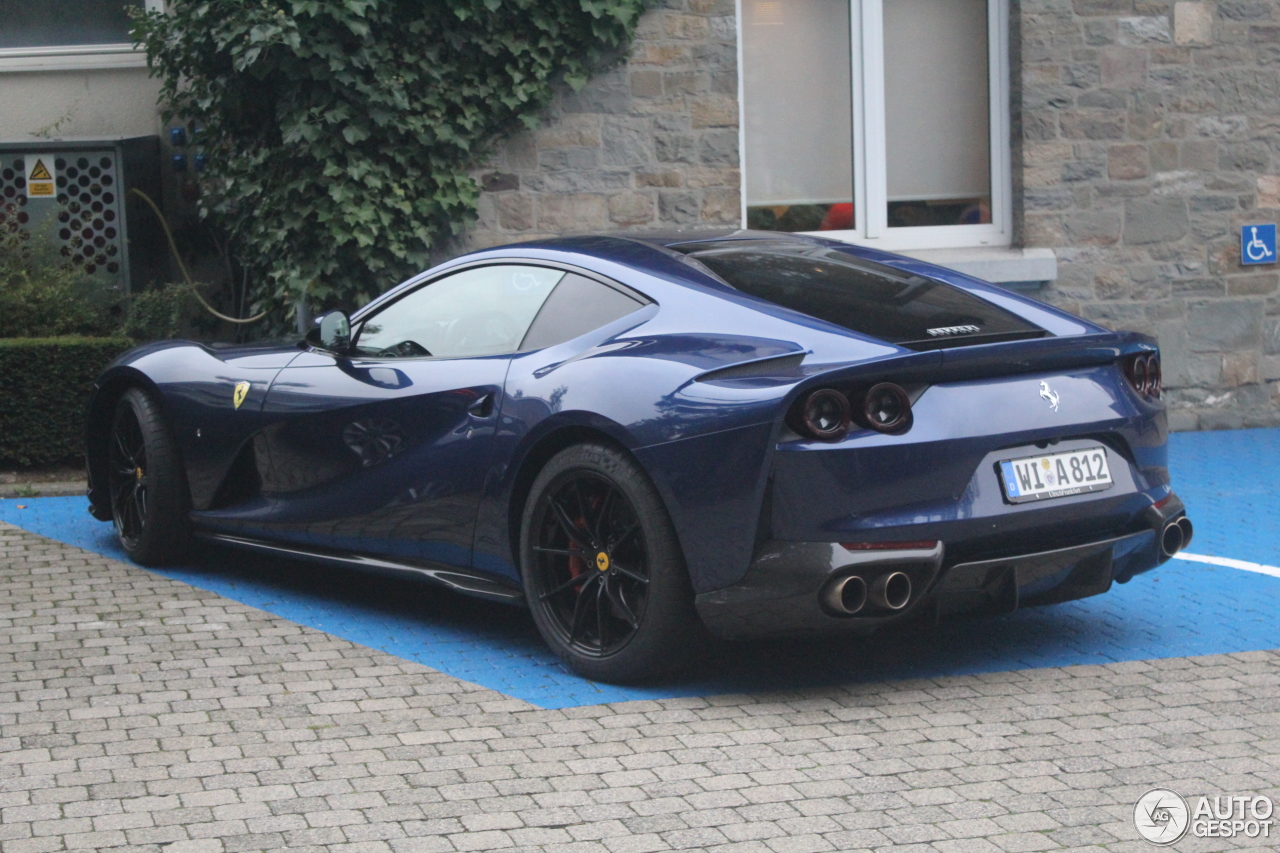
48	23
797	93
886	303
937	112
482	311
578	305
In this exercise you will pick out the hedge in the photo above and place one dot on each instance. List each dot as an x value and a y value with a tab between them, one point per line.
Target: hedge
44	385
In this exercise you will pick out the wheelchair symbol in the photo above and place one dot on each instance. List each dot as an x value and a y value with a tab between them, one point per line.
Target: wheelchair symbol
1255	249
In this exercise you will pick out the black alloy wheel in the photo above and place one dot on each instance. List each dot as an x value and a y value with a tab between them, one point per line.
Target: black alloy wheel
590	559
127	475
150	501
603	572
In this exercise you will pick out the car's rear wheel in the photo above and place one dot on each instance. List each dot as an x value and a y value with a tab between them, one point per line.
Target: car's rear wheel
603	571
148	487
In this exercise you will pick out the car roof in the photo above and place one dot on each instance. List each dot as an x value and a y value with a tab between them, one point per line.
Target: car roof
674	246
670	239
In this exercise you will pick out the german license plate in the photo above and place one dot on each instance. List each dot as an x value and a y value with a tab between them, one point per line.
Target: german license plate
1055	475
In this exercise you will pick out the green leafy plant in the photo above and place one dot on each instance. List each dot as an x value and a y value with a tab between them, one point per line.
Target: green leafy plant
159	312
340	133
42	295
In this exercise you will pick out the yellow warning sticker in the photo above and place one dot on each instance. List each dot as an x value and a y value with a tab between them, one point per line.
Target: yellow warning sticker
40	176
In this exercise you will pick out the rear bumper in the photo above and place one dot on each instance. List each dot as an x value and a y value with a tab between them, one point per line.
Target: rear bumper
783	591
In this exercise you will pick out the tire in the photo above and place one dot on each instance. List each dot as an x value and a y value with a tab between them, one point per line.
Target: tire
602	569
147	485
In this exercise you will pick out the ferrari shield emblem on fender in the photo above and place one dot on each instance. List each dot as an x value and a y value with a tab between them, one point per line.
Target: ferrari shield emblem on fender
242	391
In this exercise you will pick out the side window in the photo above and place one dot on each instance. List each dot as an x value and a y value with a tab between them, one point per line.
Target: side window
479	311
577	306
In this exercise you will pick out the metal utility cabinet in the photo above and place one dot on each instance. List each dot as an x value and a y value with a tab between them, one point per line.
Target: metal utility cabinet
74	193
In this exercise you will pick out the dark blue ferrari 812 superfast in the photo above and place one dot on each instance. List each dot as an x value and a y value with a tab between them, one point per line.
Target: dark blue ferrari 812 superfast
645	439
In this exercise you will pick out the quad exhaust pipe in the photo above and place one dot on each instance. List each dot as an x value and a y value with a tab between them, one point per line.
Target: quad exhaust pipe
1176	536
1187	530
846	595
1171	539
851	594
891	591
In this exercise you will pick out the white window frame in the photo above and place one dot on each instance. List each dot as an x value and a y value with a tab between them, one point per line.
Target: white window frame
77	57
870	191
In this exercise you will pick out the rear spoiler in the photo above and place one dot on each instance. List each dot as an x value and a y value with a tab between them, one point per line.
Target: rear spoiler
949	365
1040	354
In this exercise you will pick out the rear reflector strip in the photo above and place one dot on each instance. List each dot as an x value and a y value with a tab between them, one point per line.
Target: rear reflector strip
921	545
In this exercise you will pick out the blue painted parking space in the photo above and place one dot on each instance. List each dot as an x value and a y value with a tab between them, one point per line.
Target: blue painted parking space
1182	608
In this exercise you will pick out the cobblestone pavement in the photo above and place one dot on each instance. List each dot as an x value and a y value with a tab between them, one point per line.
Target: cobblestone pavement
1182	609
139	713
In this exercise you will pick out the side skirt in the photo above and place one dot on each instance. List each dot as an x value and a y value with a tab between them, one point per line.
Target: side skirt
450	577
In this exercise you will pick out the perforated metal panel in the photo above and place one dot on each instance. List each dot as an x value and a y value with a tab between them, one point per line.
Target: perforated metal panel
90	220
84	220
89	211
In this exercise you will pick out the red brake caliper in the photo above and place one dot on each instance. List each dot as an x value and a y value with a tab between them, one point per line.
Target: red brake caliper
575	563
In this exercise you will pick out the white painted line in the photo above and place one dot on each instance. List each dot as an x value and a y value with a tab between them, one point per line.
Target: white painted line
1229	563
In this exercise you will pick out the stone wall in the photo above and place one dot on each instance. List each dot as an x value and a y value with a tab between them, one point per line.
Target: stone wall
652	143
1150	134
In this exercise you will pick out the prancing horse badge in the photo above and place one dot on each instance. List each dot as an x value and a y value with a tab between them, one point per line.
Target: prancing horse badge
1050	396
242	391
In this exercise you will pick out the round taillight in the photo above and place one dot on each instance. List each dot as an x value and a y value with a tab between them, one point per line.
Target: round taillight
887	408
1140	374
824	415
1144	374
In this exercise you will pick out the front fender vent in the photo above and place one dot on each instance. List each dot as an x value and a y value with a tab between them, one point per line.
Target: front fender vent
242	482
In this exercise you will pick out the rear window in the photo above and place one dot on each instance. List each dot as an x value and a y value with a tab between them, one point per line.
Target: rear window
863	296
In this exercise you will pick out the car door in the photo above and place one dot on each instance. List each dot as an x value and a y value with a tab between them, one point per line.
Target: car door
384	449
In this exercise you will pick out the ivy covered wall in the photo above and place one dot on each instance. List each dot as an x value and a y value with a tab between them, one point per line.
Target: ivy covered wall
340	133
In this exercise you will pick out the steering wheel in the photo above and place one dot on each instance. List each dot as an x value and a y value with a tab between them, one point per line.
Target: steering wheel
404	349
481	331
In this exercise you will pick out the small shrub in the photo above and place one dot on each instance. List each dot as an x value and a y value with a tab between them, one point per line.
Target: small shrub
159	313
42	296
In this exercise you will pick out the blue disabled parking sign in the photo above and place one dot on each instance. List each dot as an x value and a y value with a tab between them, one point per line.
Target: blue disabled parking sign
1257	244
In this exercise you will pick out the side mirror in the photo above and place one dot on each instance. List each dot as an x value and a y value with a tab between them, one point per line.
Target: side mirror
331	331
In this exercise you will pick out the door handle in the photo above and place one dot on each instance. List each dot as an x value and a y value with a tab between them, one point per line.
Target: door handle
481	408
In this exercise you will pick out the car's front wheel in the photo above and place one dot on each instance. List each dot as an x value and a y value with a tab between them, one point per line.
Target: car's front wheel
603	570
148	487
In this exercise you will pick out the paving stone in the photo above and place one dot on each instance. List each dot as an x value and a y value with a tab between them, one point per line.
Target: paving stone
135	718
